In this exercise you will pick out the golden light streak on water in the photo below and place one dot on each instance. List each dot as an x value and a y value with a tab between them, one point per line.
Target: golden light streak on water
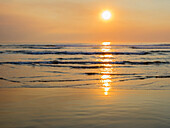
105	72
105	50
106	43
106	77
106	60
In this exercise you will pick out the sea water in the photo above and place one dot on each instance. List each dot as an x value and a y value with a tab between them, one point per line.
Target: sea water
102	85
104	65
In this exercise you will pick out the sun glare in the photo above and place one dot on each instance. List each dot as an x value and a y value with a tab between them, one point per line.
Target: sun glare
106	15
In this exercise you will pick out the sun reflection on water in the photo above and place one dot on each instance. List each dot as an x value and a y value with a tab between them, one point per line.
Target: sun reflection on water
107	69
105	76
106	43
106	56
105	50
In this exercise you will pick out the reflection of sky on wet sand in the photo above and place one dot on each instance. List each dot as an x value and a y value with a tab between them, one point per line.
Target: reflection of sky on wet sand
61	108
107	70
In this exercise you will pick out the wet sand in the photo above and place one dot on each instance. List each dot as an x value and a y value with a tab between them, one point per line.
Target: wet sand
81	108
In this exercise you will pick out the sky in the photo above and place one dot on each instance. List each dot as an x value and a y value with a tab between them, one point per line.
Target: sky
80	20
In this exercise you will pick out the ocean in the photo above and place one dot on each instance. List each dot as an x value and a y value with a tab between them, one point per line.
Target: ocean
105	65
104	85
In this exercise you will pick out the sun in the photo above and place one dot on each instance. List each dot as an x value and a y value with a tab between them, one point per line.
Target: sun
106	15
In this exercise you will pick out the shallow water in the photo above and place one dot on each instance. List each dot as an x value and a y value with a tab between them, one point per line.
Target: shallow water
104	65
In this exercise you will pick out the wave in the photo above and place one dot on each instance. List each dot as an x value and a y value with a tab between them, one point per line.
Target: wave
24	83
61	80
1	78
144	77
33	46
72	53
86	66
81	53
69	58
92	73
94	67
55	86
39	46
116	62
150	47
89	62
159	51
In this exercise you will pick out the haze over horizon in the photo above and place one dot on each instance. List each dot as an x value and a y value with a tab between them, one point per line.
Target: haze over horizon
80	21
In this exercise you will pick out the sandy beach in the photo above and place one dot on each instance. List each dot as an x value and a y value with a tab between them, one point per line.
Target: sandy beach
81	108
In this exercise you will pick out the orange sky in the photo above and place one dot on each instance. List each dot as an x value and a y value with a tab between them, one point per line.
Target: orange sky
79	20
